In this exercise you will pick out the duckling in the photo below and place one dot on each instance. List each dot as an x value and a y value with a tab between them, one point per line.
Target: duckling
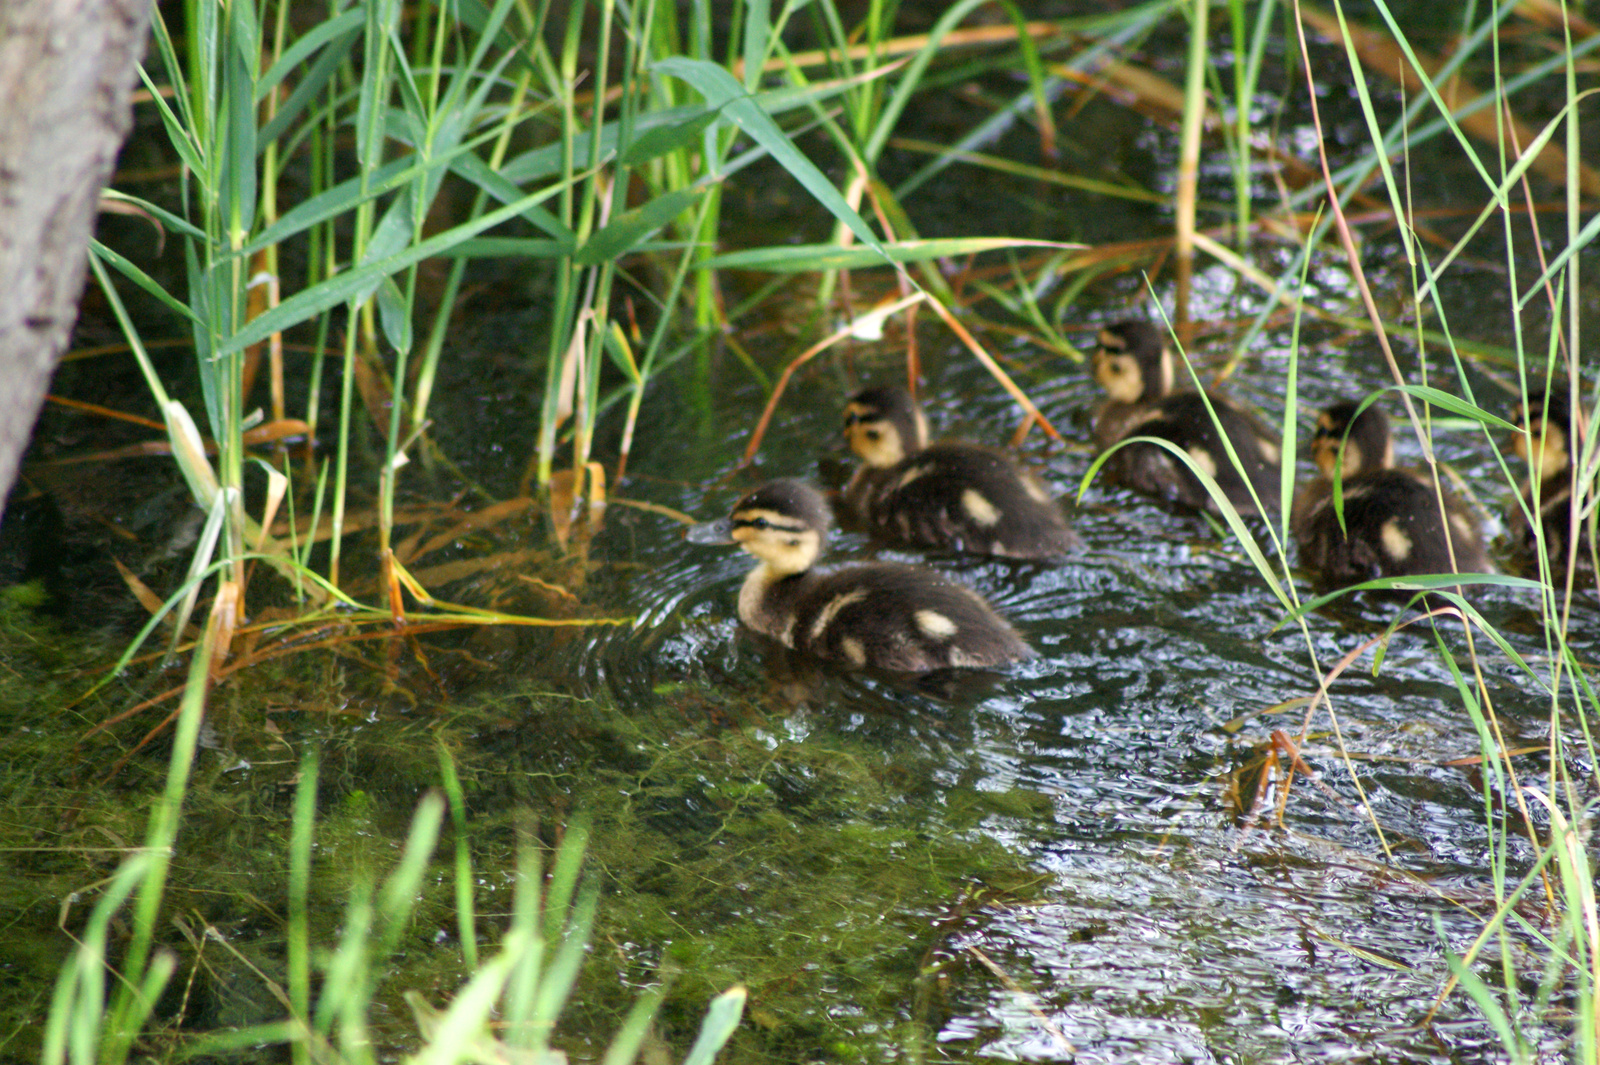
1135	366
1393	526
1547	417
955	495
879	615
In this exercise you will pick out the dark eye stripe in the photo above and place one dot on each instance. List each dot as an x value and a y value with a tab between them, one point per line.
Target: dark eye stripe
767	523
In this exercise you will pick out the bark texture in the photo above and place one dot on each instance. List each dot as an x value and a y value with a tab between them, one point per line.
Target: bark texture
67	68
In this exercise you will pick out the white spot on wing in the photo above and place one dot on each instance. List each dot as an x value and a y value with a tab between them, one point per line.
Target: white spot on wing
978	508
1395	541
935	624
853	651
1203	461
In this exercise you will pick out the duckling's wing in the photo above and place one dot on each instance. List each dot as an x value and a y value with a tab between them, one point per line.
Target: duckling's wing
1393	527
969	498
1184	420
902	618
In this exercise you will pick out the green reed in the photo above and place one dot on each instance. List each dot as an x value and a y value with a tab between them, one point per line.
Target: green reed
509	1004
1563	875
374	113
1563	871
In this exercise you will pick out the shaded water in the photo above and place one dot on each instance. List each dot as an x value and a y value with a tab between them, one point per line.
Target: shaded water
1126	914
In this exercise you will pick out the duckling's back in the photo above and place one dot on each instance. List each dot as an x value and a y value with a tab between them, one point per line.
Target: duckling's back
900	618
1183	419
964	497
1393	527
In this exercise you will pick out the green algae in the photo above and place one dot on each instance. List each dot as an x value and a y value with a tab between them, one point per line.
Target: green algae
726	850
728	855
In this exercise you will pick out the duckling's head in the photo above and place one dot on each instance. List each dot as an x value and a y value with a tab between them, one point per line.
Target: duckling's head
883	424
1133	362
783	523
1547	418
1365	436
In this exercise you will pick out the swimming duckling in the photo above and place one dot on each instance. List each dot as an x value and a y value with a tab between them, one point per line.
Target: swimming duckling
1134	365
880	615
1547	416
1393	526
948	494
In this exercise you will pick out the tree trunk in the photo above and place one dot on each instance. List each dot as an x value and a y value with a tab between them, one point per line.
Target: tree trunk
66	69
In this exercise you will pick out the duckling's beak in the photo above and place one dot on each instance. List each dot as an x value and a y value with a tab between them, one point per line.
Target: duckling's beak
711	532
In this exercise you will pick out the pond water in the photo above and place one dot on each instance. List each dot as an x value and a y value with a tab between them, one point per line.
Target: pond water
1050	864
1054	864
1159	928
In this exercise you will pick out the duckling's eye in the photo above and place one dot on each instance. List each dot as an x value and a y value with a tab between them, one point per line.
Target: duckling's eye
873	434
758	523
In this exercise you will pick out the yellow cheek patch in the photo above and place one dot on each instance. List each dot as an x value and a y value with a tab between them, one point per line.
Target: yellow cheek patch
877	443
1119	376
853	650
1553	457
1325	455
1352	459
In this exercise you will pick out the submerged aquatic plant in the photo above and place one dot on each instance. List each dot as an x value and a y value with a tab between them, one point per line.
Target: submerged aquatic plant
508	1008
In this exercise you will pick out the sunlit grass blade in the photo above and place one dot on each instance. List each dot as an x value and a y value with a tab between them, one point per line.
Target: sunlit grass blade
722	91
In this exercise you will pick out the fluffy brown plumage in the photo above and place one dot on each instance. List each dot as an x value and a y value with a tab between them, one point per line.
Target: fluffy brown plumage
1135	366
949	494
1393	525
876	615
